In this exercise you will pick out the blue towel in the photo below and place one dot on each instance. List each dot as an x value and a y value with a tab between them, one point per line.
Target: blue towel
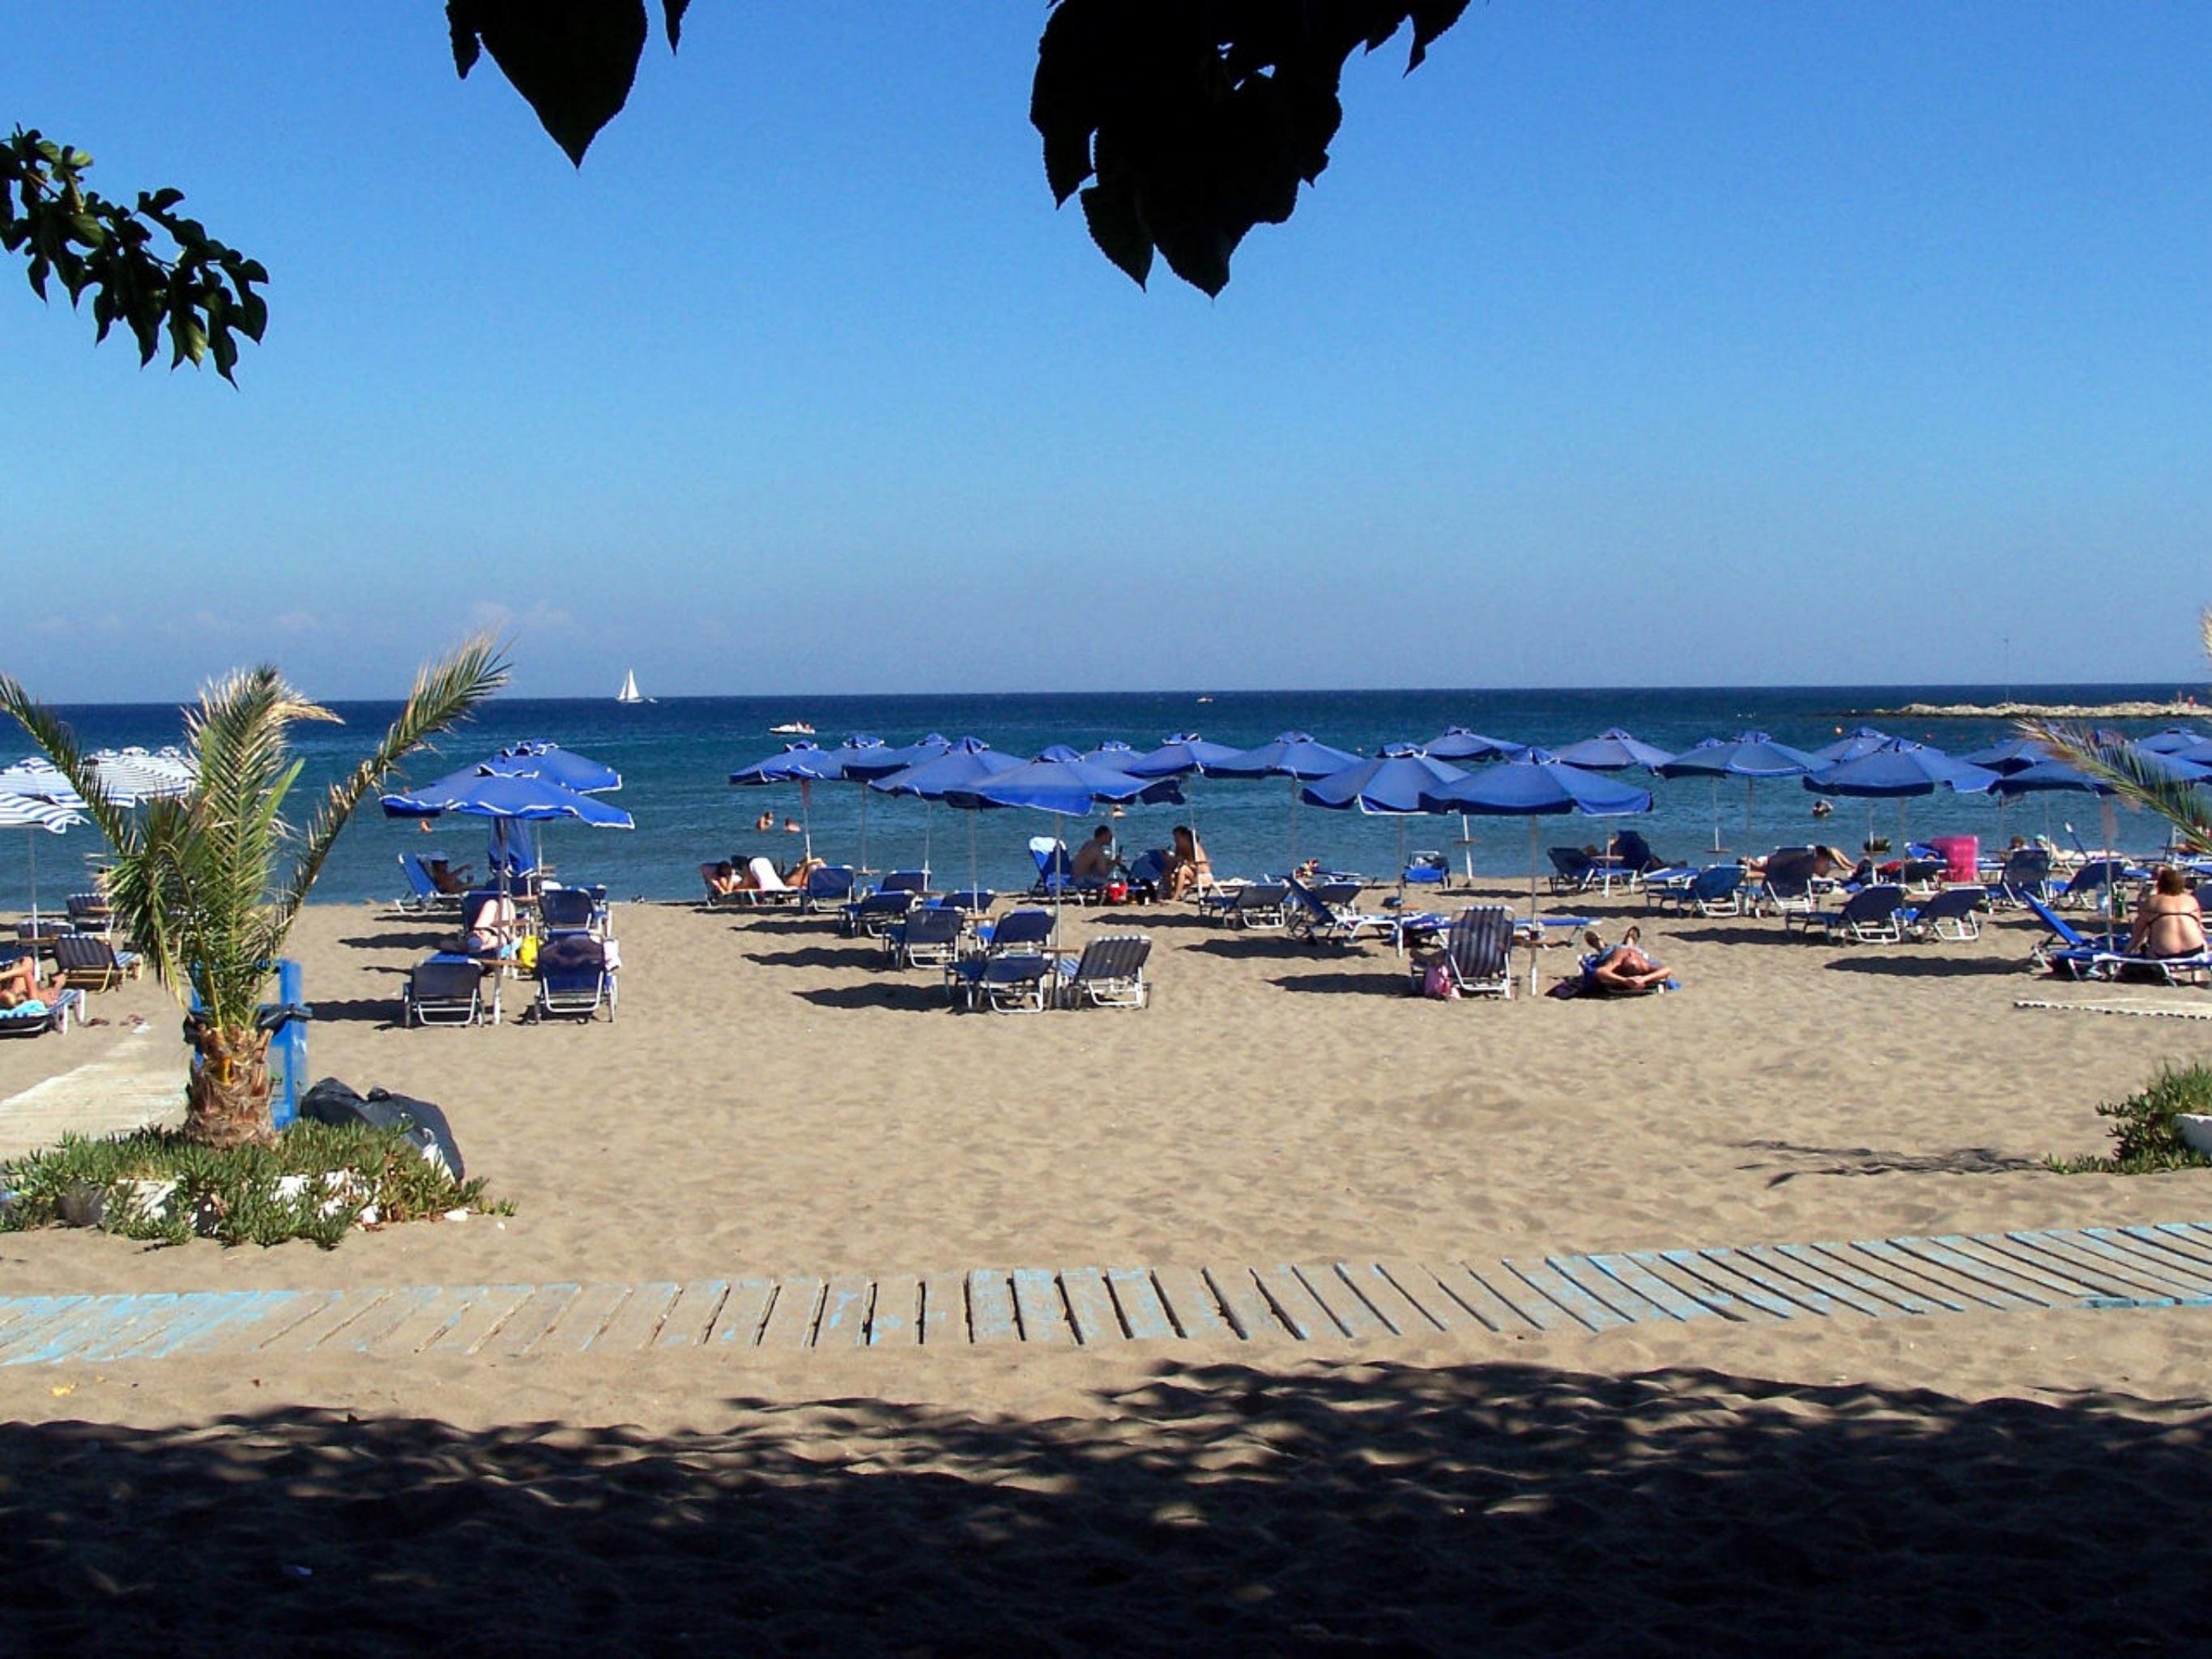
30	1010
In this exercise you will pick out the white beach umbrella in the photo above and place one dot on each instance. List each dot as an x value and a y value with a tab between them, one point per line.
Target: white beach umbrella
29	813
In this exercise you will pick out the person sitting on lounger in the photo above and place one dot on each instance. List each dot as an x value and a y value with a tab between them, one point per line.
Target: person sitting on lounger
1188	869
1623	969
20	983
2168	922
444	877
797	875
1094	860
723	879
1802	863
493	930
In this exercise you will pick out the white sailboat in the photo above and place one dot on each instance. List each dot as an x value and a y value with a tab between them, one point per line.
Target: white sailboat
630	692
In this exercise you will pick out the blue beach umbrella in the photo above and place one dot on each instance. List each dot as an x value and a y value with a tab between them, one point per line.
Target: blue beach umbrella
1538	785
959	766
1457	742
863	749
1113	753
803	763
1182	755
1899	770
1612	751
1293	755
1750	756
2174	740
563	766
1859	740
866	764
1392	783
2013	754
507	801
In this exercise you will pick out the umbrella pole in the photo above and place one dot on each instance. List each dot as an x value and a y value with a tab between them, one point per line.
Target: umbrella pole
1749	785
973	886
1467	848
1717	813
929	817
1535	929
864	829
806	816
1401	859
1293	865
31	848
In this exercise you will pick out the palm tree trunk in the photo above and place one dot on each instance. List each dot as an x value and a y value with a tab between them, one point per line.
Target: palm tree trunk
227	1103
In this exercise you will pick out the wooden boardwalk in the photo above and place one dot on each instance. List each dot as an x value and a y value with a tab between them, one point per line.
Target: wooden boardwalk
1325	1302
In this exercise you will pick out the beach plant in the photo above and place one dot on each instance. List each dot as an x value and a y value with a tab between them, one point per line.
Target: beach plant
196	883
2146	1139
2138	779
316	1181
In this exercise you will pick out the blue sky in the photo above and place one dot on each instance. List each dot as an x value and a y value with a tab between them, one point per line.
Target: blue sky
1664	343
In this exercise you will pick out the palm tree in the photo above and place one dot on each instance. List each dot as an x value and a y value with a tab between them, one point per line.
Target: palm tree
195	880
2136	778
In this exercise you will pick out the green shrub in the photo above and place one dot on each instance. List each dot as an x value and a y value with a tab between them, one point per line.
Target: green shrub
2145	1138
231	1194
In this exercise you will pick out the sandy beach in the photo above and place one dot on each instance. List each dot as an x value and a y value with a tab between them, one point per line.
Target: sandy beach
771	1101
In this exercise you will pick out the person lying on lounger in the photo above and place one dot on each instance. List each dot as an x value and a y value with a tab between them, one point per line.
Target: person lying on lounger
1623	969
1801	862
2168	922
494	928
20	983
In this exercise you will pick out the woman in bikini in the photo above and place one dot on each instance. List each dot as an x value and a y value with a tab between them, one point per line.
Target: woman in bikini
2168	922
19	984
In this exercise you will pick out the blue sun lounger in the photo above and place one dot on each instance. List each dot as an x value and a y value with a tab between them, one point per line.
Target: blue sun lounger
35	1019
2085	956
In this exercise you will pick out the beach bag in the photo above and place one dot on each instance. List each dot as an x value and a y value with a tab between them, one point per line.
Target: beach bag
525	952
420	1123
1436	982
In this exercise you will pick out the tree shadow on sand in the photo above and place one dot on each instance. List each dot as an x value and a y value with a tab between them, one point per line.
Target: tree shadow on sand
1928	967
903	996
1497	1509
1869	1161
821	955
412	938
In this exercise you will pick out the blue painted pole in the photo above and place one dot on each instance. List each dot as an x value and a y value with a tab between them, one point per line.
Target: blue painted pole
291	1049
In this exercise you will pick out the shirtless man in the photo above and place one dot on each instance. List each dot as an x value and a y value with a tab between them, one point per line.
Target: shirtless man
1094	860
1623	969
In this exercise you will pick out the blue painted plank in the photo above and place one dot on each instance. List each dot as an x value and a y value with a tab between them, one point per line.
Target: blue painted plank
1247	1311
34	1314
1190	1305
1404	1315
1988	1276
637	1321
991	1307
2162	1280
944	1310
1497	1296
480	1319
2094	1283
1090	1305
149	1321
1882	1260
2045	1274
1143	1315
1719	1289
245	1320
2166	1247
2194	1234
844	1322
1294	1304
432	1319
744	1311
1636	1279
304	1335
1426	1291
1546	1284
698	1305
791	1319
582	1320
895	1316
2192	1281
1720	1269
361	1335
1340	1302
521	1330
1835	1259
61	1340
1036	1301
1786	1288
1839	1294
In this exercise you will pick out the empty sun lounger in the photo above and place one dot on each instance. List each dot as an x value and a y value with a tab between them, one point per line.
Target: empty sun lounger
1012	982
1110	972
1254	904
35	1019
1953	914
575	976
1715	890
831	884
1316	914
872	913
1476	953
574	909
1017	929
89	961
926	934
450	990
1871	916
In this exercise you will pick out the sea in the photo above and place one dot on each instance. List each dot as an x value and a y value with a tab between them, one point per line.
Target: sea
675	754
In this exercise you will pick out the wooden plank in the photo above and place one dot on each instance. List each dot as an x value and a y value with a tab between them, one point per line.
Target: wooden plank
944	1310
522	1329
1546	1281
1720	1298
791	1318
991	1307
480	1319
2183	1236
1878	1257
307	1334
1658	1292
2167	1243
894	1317
432	1320
237	1321
1190	1303
1392	1305
582	1318
744	1311
2121	1279
1344	1304
1294	1304
1972	1272
1090	1304
72	1329
1478	1290
1037	1300
1835	1260
362	1335
2159	1248
1836	1294
697	1305
844	1322
1421	1289
149	1319
2168	1280
637	1321
1778	1287
2044	1280
1144	1315
1241	1304
1586	1276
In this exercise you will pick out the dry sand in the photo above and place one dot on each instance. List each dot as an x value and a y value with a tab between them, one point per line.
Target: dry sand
768	1102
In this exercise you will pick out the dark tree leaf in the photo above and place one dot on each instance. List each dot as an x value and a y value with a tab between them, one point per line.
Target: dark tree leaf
1200	118
573	61
673	10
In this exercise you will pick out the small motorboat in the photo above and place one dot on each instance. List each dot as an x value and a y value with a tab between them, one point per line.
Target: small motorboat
792	729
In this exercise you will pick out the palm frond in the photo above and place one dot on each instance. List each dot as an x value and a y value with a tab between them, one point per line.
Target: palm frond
445	692
52	735
2134	778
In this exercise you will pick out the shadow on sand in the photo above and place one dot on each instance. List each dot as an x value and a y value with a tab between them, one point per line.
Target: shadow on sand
1494	1509
1867	1161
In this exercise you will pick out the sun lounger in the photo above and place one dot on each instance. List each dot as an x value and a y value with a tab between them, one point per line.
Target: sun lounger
970	901
422	897
450	990
2072	954
870	914
928	933
1716	891
89	913
1110	972
89	961
1426	870
1476	953
904	881
574	909
35	1019
1314	914
1953	914
1871	916
2094	881
1254	904
832	884
1013	982
1016	930
575	976
2024	875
